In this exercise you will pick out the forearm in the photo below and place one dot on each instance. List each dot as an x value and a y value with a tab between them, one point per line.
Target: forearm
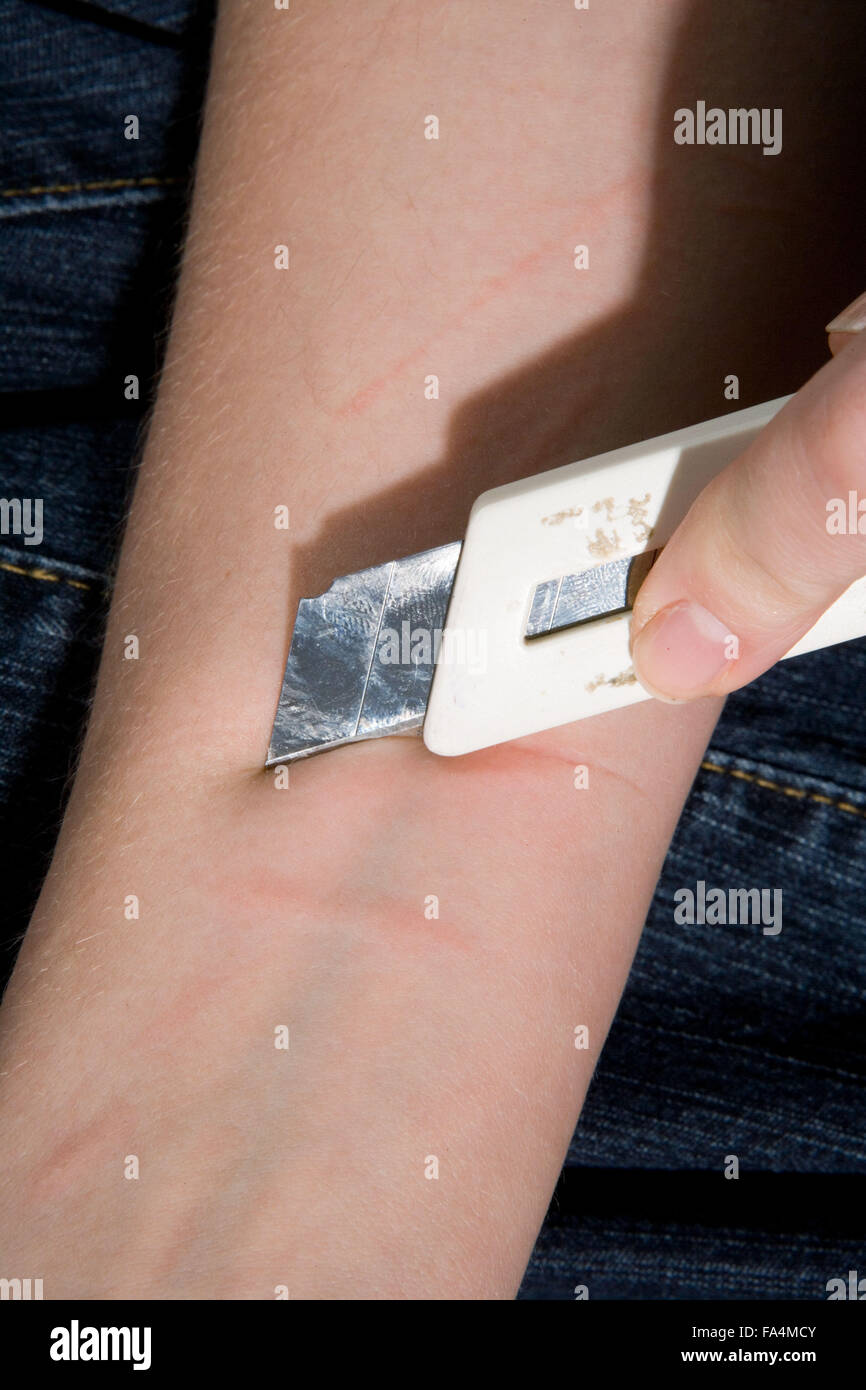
410	1037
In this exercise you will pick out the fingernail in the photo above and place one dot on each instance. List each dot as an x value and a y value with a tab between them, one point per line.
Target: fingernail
852	319
682	650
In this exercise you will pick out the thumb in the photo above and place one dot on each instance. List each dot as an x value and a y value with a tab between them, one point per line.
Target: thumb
767	546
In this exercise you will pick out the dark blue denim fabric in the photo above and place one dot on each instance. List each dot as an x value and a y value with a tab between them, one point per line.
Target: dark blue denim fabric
90	225
727	1041
730	1042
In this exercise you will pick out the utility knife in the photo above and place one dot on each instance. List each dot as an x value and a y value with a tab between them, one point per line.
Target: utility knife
522	626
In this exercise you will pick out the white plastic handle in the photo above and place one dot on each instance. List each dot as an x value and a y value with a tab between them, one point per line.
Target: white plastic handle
491	683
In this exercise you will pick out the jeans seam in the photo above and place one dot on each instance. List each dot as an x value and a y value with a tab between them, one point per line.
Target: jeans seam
785	789
92	186
46	576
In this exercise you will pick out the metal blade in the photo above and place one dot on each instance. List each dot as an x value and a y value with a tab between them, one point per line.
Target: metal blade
594	593
337	688
363	654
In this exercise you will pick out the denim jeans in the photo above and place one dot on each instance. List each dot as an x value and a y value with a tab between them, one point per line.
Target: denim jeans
731	1042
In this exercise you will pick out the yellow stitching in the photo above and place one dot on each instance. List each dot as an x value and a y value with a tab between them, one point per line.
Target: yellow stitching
785	790
47	576
94	186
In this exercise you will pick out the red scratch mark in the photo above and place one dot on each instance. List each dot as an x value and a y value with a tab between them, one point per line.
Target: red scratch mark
364	397
491	288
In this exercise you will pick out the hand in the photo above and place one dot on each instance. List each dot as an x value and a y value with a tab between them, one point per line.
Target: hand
769	544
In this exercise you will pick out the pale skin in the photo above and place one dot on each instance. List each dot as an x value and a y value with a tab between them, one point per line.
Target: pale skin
411	1036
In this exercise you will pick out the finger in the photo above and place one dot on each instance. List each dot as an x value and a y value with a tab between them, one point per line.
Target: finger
845	326
766	547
